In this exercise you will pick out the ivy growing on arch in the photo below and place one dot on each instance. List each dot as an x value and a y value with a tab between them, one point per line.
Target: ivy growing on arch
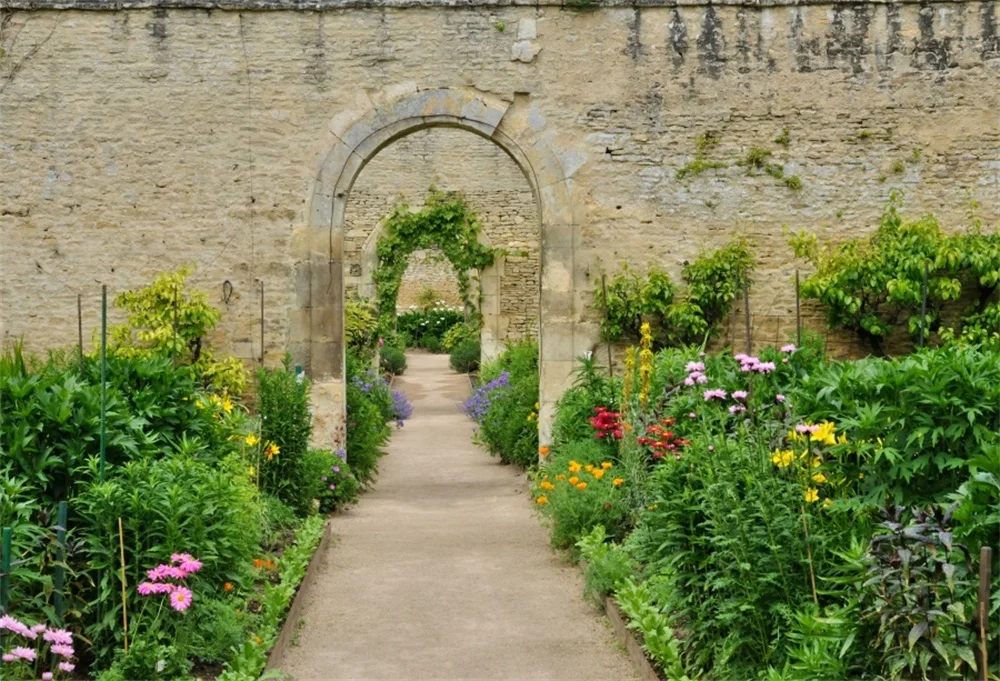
445	222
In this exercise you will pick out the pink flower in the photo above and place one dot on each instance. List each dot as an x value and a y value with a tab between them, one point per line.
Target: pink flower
46	676
711	448
62	649
701	354
688	381
145	588
336	469
39	628
695	366
10	624
180	599
158	573
692	415
717	393
765	367
739	394
58	636
189	567
23	653
180	557
788	348
779	397
333	487
803	428
741	357
163	588
67	666
736	409
7	657
702	379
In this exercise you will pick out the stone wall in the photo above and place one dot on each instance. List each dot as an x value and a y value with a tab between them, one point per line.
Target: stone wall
133	141
494	187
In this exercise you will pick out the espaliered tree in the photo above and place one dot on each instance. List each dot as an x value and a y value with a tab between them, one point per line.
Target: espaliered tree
445	222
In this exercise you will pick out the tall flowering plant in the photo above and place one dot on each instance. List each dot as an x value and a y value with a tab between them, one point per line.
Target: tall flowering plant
36	651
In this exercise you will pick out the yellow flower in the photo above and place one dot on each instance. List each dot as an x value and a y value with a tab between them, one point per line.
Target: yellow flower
542	500
215	399
574	467
272	450
574	480
251	471
531	416
652	507
581	486
618	482
537	406
811	494
861	476
827	503
817	461
597	473
589	467
547	485
227	405
252	439
199	404
606	465
825	433
818	478
842	439
795	436
783	458
560	477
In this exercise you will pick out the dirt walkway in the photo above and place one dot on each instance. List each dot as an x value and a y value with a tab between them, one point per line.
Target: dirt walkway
444	572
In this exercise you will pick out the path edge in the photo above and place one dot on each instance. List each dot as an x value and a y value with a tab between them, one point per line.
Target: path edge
624	635
302	596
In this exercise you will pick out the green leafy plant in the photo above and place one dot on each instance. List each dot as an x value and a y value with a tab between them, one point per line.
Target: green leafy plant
285	428
652	625
392	359
465	356
705	142
460	333
360	327
166	318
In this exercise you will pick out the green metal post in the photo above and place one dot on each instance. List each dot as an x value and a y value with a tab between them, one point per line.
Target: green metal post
58	598
104	373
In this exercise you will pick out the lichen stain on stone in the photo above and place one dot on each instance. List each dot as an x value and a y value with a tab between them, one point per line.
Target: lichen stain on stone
990	41
930	52
158	27
711	44
678	36
633	46
847	39
314	46
805	49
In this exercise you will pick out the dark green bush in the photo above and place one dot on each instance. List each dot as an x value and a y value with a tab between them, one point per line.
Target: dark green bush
393	360
285	421
464	357
369	409
427	329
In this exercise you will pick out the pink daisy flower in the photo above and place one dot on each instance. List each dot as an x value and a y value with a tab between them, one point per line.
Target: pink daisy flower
180	599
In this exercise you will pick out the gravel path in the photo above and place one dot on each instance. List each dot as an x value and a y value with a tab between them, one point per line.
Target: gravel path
443	571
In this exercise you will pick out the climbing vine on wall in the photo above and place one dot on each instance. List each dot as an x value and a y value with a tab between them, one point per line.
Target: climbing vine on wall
445	222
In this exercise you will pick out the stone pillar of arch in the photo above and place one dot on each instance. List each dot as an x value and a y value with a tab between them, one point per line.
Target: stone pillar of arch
353	138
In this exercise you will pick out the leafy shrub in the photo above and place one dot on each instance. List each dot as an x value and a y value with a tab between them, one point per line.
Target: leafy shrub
577	488
714	280
167	506
465	357
428	329
590	389
360	327
393	360
149	658
286	422
334	485
608	564
653	627
506	404
369	407
459	333
166	319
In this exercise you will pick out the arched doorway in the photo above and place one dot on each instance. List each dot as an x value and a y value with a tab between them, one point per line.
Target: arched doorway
354	139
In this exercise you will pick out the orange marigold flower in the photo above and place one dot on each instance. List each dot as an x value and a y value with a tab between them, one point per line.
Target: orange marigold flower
542	500
228	586
618	482
581	486
606	465
597	473
574	480
544	451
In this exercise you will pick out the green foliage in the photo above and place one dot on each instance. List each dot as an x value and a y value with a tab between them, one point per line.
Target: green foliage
510	427
705	142
392	359
332	482
428	298
429	329
785	138
369	409
917	422
360	327
714	280
653	627
608	564
167	506
465	356
445	222
286	422
870	285
574	511
591	388
460	333
148	659
165	318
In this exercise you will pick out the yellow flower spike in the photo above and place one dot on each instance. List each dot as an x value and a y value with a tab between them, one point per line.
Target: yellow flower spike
573	480
252	439
818	478
597	473
811	494
605	465
542	500
581	486
618	482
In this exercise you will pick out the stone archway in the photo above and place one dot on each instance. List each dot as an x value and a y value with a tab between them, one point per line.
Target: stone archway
354	137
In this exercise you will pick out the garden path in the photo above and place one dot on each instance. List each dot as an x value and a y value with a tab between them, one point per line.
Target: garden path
443	571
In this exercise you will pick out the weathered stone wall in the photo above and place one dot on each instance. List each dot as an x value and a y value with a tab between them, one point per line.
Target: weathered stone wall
135	141
494	187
